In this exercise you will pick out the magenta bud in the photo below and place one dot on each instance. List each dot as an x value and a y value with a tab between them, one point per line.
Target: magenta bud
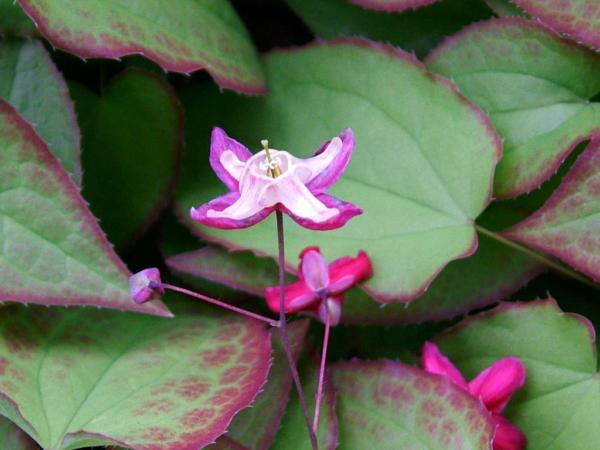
143	285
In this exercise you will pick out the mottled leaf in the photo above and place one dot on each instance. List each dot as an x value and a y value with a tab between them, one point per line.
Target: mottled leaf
293	433
183	36
132	138
30	82
536	88
13	438
504	8
389	405
14	21
424	153
568	224
52	251
559	407
255	427
392	5
414	31
81	377
580	19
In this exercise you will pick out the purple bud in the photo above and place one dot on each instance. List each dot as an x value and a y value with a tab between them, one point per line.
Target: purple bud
144	284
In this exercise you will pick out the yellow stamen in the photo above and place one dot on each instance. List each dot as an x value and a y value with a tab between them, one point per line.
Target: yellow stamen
274	169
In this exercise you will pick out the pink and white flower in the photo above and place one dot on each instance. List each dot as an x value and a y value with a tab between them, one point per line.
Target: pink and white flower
274	179
494	387
144	284
321	287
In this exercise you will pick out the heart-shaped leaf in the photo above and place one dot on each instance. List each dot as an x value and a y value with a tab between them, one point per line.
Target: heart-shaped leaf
14	21
415	31
255	428
13	438
132	138
426	154
579	19
30	82
536	88
559	407
568	225
52	251
392	5
386	404
81	377
181	36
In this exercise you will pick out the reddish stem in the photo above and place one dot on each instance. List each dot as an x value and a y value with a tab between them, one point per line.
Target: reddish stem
285	341
322	368
273	323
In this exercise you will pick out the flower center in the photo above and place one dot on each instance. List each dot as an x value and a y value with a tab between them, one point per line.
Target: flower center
271	165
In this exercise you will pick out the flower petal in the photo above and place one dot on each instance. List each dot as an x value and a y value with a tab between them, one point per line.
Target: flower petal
144	284
508	436
337	152
333	307
225	222
297	297
225	166
434	361
346	272
346	212
313	267
496	384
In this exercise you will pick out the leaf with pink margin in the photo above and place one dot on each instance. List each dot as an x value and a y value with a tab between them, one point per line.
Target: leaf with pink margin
31	83
13	21
190	35
559	406
536	88
52	250
255	428
505	8
392	5
579	19
132	141
82	377
423	151
568	224
13	438
292	434
392	405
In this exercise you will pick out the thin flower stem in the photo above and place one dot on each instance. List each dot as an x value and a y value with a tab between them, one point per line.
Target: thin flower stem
547	261
273	323
322	368
285	341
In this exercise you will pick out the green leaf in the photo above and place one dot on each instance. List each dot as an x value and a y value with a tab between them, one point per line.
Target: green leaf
82	377
13	438
568	224
536	88
425	154
392	5
579	19
30	82
255	428
388	405
414	31
14	21
52	251
504	8
183	36
132	139
293	433
559	407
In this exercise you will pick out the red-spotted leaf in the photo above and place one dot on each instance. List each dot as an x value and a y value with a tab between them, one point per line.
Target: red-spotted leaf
181	36
14	21
580	19
536	88
52	250
386	404
255	427
13	438
132	139
559	407
292	434
80	377
568	224
422	151
392	5
30	82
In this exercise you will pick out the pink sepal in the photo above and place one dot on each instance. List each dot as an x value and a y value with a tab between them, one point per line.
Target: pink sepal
144	284
346	272
219	142
346	210
433	361
496	384
219	204
329	177
508	436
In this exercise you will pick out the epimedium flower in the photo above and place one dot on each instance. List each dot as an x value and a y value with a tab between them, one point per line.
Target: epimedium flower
321	287
494	387
144	284
274	179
